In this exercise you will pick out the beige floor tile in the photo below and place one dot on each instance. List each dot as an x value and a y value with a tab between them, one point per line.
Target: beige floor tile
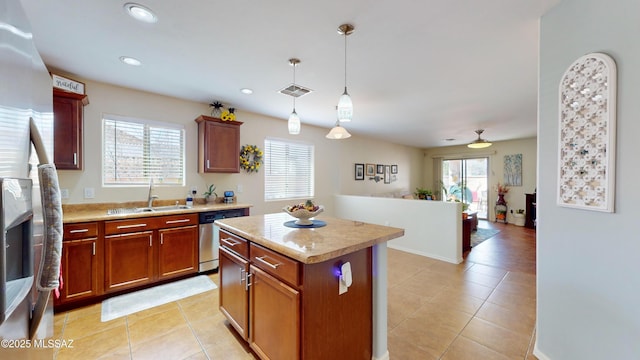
228	345
198	356
514	301
488	270
89	324
481	279
132	318
156	325
84	311
521	289
400	273
472	289
517	321
452	299
201	305
520	277
212	330
179	343
502	340
434	340
400	348
400	304
466	349
434	317
109	341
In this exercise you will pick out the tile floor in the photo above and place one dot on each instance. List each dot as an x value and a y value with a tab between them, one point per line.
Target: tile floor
483	308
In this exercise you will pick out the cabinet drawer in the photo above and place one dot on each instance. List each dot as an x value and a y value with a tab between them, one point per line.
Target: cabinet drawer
128	226
234	243
170	221
80	230
275	264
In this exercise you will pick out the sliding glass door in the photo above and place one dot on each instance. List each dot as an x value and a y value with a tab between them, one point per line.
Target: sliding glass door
466	180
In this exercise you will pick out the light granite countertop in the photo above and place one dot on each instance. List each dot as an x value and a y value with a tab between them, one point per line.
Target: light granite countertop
307	245
77	213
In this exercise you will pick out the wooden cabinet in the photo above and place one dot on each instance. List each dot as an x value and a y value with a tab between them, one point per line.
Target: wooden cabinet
218	145
530	210
67	129
275	317
234	295
128	260
80	262
178	251
295	310
145	250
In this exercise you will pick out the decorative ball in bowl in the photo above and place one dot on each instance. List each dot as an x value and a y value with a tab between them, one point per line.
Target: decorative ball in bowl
302	213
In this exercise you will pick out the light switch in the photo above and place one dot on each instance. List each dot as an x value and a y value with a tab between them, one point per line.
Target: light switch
89	193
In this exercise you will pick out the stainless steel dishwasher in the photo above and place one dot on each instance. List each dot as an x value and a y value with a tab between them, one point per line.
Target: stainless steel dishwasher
209	241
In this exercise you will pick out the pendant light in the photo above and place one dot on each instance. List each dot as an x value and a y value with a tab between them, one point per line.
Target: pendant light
294	119
338	132
479	143
345	105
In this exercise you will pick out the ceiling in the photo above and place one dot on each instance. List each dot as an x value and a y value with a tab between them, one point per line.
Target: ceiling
418	71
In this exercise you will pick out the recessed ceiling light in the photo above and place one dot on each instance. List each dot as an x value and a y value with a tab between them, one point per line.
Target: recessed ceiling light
140	13
130	61
246	91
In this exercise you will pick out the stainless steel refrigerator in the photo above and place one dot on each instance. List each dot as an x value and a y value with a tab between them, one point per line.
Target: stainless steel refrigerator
25	93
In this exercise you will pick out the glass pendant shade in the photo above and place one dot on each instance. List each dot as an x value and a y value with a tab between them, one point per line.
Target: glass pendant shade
479	143
338	133
345	107
294	123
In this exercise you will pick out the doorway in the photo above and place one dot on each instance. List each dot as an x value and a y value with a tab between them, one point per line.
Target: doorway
466	180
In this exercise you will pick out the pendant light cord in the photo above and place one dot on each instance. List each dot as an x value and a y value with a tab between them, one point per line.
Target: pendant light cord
345	61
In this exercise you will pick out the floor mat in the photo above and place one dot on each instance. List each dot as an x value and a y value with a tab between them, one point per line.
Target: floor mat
481	235
126	304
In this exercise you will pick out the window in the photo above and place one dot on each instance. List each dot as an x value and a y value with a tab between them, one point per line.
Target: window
136	151
288	170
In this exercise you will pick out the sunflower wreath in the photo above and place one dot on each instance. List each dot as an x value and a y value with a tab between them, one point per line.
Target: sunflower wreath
250	158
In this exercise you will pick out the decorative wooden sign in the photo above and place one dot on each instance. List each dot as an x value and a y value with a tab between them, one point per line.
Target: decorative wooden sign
66	84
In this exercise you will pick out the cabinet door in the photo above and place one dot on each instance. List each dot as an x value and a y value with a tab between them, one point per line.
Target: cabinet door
234	295
128	260
178	251
275	317
80	269
67	131
221	147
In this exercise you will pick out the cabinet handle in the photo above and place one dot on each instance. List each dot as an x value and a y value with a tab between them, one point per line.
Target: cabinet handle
262	260
75	158
78	231
248	283
94	249
207	164
176	221
131	226
150	238
229	242
241	276
161	239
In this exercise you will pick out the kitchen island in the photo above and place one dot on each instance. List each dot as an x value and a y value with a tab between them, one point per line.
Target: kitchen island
306	293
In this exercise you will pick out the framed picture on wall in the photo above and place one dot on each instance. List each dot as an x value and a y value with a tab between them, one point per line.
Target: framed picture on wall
359	172
394	169
370	169
379	169
387	174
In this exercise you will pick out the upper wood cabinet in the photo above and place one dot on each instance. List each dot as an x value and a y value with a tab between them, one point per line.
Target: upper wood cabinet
67	129
218	145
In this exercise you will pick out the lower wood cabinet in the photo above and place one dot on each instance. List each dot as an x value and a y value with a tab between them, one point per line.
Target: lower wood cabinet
81	251
178	251
128	260
288	310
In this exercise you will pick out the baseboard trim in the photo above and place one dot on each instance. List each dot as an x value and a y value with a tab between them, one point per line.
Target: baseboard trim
385	356
539	354
412	251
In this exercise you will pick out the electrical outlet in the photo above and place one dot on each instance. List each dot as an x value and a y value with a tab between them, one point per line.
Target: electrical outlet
239	191
194	189
64	193
89	193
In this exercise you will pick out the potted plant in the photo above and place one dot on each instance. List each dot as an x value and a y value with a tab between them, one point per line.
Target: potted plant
210	195
423	194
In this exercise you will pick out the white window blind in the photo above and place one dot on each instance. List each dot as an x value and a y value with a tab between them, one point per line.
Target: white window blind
288	170
136	151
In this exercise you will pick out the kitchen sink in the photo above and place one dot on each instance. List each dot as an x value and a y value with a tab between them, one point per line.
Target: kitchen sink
137	210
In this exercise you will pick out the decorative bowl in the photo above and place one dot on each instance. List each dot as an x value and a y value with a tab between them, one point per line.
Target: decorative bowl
303	215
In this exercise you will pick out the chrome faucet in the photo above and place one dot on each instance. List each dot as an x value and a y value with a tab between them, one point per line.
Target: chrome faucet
151	197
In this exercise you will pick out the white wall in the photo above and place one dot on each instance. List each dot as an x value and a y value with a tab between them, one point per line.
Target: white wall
334	160
431	228
515	198
588	283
